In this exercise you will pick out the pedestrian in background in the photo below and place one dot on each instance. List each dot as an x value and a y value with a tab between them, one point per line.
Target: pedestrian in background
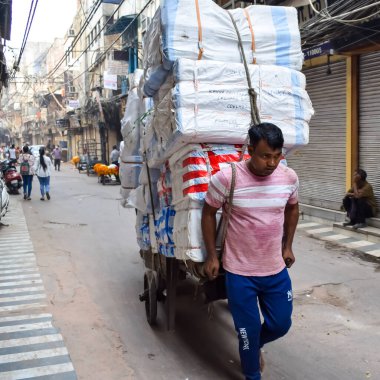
114	156
12	153
57	155
42	169
26	161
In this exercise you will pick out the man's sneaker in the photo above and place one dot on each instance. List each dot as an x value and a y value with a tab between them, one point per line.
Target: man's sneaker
348	223
29	199
359	225
25	196
42	198
47	195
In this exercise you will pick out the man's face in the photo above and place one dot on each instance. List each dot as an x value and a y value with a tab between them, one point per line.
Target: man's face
264	160
357	177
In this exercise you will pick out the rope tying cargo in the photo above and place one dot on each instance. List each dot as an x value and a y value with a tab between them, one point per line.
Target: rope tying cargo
200	45
253	46
255	118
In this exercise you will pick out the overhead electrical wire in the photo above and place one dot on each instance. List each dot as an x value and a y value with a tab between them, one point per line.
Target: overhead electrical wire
77	37
29	22
89	46
359	9
109	48
323	26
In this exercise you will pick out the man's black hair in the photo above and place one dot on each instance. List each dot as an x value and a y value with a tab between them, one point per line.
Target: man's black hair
362	173
268	132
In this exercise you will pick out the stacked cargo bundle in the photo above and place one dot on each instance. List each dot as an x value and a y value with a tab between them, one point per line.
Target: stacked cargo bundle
202	110
130	153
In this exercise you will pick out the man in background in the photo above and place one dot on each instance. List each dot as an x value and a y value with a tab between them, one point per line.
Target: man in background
57	155
359	202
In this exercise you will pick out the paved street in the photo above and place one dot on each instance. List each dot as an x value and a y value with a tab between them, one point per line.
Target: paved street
91	274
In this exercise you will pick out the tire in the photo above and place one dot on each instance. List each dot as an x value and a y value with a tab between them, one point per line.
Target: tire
150	286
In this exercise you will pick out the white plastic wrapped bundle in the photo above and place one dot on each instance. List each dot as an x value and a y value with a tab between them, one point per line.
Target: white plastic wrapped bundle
154	175
187	232
129	172
211	104
134	78
270	36
130	128
146	131
164	230
141	199
142	231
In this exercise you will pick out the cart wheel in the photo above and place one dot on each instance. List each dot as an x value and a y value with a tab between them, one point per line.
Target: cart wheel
150	289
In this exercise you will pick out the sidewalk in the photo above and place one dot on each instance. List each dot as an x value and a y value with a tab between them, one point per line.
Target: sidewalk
30	346
365	240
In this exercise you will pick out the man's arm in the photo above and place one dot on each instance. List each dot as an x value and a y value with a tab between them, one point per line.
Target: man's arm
290	225
209	237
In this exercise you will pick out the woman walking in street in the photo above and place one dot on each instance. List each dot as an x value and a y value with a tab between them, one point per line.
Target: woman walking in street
26	161
42	168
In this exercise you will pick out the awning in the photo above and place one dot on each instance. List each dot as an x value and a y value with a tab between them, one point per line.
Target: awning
120	25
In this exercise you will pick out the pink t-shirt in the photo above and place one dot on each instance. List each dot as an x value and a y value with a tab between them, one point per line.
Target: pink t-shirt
253	244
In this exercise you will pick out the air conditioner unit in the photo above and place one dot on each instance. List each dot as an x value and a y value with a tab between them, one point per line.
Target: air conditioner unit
71	33
71	90
145	22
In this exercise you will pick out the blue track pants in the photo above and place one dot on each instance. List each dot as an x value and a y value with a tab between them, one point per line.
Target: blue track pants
274	295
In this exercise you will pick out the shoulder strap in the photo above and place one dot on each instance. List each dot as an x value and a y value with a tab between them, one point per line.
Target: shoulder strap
229	209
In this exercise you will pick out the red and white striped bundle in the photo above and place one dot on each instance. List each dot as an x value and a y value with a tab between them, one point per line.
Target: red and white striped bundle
192	167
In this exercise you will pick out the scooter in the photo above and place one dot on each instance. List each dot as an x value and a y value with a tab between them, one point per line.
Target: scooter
11	176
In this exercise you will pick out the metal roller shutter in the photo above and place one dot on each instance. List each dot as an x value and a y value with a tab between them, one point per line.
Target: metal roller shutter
369	118
321	166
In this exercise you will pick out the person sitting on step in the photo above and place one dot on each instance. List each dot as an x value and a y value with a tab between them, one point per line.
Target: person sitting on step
359	201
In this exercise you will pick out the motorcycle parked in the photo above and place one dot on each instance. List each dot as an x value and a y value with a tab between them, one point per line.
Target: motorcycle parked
11	176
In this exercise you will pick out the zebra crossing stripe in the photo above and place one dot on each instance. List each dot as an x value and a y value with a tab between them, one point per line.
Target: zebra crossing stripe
23	306
28	297
24	270
29	373
21	290
16	283
14	266
3	257
20	277
17	261
30	341
32	355
15	318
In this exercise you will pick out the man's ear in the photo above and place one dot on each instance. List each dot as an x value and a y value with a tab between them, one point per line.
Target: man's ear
251	150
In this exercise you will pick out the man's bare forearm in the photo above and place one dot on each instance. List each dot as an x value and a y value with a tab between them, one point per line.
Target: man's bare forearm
290	224
209	229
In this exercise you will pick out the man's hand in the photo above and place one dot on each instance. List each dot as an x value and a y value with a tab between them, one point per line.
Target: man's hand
288	256
212	267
